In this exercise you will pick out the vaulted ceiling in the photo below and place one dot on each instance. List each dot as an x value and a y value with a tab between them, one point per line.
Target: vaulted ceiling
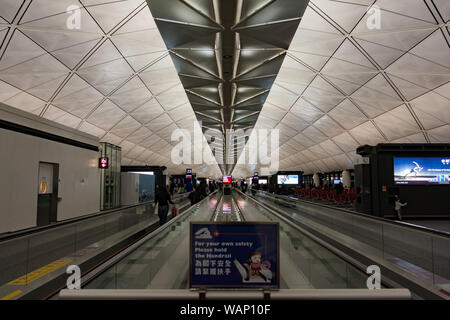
341	84
345	83
227	54
112	77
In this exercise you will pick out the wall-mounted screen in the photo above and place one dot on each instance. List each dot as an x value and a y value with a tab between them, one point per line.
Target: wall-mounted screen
287	179
262	181
337	181
421	171
226	179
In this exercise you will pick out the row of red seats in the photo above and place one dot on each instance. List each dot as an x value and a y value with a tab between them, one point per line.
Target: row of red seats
346	197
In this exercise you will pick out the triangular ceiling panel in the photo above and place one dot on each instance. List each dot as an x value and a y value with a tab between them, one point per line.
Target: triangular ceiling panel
123	74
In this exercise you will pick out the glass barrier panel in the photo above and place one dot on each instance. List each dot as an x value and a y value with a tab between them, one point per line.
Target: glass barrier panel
13	260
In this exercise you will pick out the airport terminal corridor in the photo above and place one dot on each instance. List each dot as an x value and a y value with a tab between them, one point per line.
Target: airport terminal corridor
163	261
185	153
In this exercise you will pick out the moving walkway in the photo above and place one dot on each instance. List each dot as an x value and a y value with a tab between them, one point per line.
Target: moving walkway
417	257
159	263
33	262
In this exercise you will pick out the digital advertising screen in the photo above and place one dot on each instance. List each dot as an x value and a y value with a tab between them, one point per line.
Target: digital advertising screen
337	181
421	171
262	181
287	179
226	179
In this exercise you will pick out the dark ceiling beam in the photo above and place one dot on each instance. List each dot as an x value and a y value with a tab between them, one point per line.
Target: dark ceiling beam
231	29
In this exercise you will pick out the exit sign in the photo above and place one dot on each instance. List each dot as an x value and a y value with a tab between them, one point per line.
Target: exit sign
103	163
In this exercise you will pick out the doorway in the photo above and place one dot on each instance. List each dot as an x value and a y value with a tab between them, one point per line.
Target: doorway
47	193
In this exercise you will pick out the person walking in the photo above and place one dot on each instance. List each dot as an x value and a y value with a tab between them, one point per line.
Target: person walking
171	188
398	207
200	192
162	200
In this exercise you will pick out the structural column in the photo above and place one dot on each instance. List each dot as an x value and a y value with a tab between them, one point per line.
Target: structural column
316	180
346	179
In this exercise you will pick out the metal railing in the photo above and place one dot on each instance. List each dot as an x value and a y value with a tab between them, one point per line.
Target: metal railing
128	254
282	294
33	230
421	253
22	258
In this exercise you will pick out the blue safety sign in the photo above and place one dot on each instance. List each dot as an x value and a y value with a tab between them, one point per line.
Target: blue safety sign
234	254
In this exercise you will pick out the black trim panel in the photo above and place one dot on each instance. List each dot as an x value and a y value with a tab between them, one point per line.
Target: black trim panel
45	135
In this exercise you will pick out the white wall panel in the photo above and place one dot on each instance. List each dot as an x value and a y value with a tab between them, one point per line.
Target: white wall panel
20	155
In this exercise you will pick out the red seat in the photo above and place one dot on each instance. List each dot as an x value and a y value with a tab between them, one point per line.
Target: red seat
351	197
308	193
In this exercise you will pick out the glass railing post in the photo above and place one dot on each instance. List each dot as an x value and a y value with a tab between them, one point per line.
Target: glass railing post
28	261
433	270
75	243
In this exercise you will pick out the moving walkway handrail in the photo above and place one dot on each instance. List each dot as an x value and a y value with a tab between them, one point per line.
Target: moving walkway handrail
353	256
360	266
281	294
363	215
35	230
121	255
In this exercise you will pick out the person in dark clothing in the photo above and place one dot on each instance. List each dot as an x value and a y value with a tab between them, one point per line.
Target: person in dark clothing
163	199
156	192
188	186
191	197
202	191
244	186
199	193
171	188
339	188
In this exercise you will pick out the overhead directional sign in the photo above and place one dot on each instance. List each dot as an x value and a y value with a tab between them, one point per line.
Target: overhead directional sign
239	255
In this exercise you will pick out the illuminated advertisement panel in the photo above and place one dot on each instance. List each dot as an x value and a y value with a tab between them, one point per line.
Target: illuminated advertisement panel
287	179
421	171
226	179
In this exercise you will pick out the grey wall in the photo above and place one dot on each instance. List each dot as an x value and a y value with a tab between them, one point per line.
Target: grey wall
129	189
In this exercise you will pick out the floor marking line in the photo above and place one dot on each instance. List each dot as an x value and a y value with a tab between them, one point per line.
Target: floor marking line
11	295
39	273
